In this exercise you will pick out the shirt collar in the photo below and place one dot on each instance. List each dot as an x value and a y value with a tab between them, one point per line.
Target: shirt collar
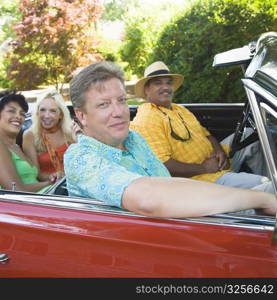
148	106
104	150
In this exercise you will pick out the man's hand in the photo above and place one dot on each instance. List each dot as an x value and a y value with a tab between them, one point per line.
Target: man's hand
223	161
55	177
210	164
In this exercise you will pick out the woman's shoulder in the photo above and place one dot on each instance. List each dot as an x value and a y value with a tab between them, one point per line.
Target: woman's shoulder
28	133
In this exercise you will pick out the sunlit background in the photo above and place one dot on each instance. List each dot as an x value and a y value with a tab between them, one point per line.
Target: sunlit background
45	42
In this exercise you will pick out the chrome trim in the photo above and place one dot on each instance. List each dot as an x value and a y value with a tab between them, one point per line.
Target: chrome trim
4	258
219	104
250	88
268	108
203	104
254	222
250	84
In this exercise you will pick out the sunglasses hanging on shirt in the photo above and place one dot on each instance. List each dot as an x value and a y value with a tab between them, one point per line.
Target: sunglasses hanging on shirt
173	133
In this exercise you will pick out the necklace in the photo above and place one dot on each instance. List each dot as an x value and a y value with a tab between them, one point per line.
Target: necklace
13	147
55	158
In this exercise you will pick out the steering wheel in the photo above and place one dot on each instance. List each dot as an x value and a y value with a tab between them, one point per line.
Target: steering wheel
245	121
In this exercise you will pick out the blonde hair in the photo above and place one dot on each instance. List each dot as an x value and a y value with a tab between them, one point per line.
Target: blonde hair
66	120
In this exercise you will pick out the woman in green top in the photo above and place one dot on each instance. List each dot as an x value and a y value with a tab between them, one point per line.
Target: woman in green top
17	171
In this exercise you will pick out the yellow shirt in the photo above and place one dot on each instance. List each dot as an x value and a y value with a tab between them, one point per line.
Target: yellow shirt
154	126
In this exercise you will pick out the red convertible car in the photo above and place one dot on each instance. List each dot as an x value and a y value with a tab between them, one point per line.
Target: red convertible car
55	235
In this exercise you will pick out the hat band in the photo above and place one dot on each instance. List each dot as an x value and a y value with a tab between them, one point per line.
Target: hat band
159	72
3	97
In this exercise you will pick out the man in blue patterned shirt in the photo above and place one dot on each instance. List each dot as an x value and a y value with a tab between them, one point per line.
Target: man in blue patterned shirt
103	172
114	164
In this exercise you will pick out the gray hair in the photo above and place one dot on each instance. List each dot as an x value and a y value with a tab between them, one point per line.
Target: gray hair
92	75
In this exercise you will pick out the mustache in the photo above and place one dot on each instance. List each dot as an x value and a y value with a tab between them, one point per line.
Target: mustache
166	90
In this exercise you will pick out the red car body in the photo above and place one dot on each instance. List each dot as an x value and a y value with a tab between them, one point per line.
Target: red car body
43	241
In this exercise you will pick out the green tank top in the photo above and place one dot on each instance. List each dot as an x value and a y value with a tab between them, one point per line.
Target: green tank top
27	173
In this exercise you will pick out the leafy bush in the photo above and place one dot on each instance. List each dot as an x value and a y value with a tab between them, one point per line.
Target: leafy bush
143	25
138	44
9	15
189	44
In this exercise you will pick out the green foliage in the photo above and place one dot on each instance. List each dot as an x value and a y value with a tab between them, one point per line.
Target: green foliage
109	49
113	10
54	38
143	25
139	43
4	82
135	102
9	15
115	14
189	44
117	9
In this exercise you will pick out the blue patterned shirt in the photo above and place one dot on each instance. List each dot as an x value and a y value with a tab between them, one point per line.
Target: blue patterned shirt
96	170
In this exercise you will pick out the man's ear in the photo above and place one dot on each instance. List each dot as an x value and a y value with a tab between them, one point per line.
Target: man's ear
80	116
145	90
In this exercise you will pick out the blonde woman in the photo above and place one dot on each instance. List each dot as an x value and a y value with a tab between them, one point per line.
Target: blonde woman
49	136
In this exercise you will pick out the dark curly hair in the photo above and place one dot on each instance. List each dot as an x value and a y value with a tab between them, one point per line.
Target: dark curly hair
9	96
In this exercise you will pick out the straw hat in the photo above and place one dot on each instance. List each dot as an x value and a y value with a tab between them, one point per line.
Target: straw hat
157	69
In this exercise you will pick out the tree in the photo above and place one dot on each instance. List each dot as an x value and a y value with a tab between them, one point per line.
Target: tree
143	25
54	38
9	15
188	45
115	9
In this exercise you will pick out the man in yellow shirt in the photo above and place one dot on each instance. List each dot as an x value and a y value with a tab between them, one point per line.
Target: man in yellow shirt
175	135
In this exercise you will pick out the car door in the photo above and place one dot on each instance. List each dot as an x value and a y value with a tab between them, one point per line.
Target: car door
57	236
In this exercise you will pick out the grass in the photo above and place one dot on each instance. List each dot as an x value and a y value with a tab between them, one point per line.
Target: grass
135	101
